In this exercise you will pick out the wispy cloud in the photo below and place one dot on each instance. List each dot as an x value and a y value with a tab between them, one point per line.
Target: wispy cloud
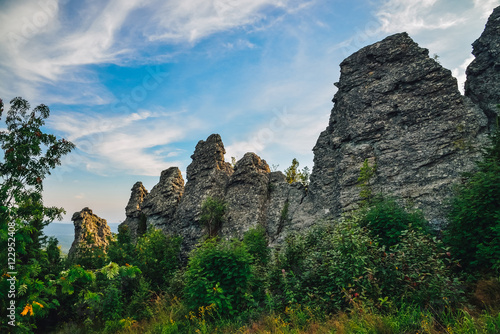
47	42
414	16
137	144
181	20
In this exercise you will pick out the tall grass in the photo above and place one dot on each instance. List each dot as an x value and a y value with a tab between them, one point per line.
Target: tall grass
171	316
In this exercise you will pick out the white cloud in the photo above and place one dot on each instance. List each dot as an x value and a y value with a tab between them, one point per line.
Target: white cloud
180	20
42	44
485	7
134	144
459	73
414	16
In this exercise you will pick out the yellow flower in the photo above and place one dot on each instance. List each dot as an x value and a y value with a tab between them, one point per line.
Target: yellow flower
27	308
38	304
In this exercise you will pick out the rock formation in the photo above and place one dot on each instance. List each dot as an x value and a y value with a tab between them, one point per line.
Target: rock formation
160	204
207	175
395	107
398	108
90	231
135	221
483	74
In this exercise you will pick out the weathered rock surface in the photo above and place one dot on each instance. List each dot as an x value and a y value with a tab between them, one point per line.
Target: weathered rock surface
207	175
285	200
88	226
160	204
134	220
246	196
398	108
483	74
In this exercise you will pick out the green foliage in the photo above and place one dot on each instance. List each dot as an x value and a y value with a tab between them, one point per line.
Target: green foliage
212	214
28	156
256	242
387	219
158	257
120	249
332	265
294	174
474	219
219	273
101	297
366	175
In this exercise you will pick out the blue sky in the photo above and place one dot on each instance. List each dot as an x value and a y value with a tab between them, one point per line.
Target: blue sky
135	84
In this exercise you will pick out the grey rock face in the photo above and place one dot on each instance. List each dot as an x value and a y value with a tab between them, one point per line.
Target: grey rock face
483	74
133	210
399	108
160	204
246	196
88	224
285	202
207	175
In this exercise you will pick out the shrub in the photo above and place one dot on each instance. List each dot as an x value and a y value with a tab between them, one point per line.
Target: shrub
294	174
256	242
386	219
219	273
334	264
474	218
212	214
158	257
121	250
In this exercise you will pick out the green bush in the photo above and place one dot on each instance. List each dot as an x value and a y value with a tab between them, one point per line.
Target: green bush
256	242
120	249
219	272
333	264
158	257
474	219
387	219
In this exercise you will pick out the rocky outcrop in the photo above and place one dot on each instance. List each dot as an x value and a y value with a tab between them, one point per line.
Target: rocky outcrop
483	74
207	175
160	204
285	201
90	231
246	196
135	221
398	108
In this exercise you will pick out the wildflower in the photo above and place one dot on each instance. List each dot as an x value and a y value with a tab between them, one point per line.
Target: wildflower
41	306
27	308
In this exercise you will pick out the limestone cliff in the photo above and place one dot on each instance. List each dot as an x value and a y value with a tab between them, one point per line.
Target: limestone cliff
88	226
400	109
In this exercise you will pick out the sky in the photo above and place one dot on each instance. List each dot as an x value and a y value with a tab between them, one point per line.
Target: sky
135	84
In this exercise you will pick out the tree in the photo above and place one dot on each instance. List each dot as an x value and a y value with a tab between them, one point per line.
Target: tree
294	174
29	154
